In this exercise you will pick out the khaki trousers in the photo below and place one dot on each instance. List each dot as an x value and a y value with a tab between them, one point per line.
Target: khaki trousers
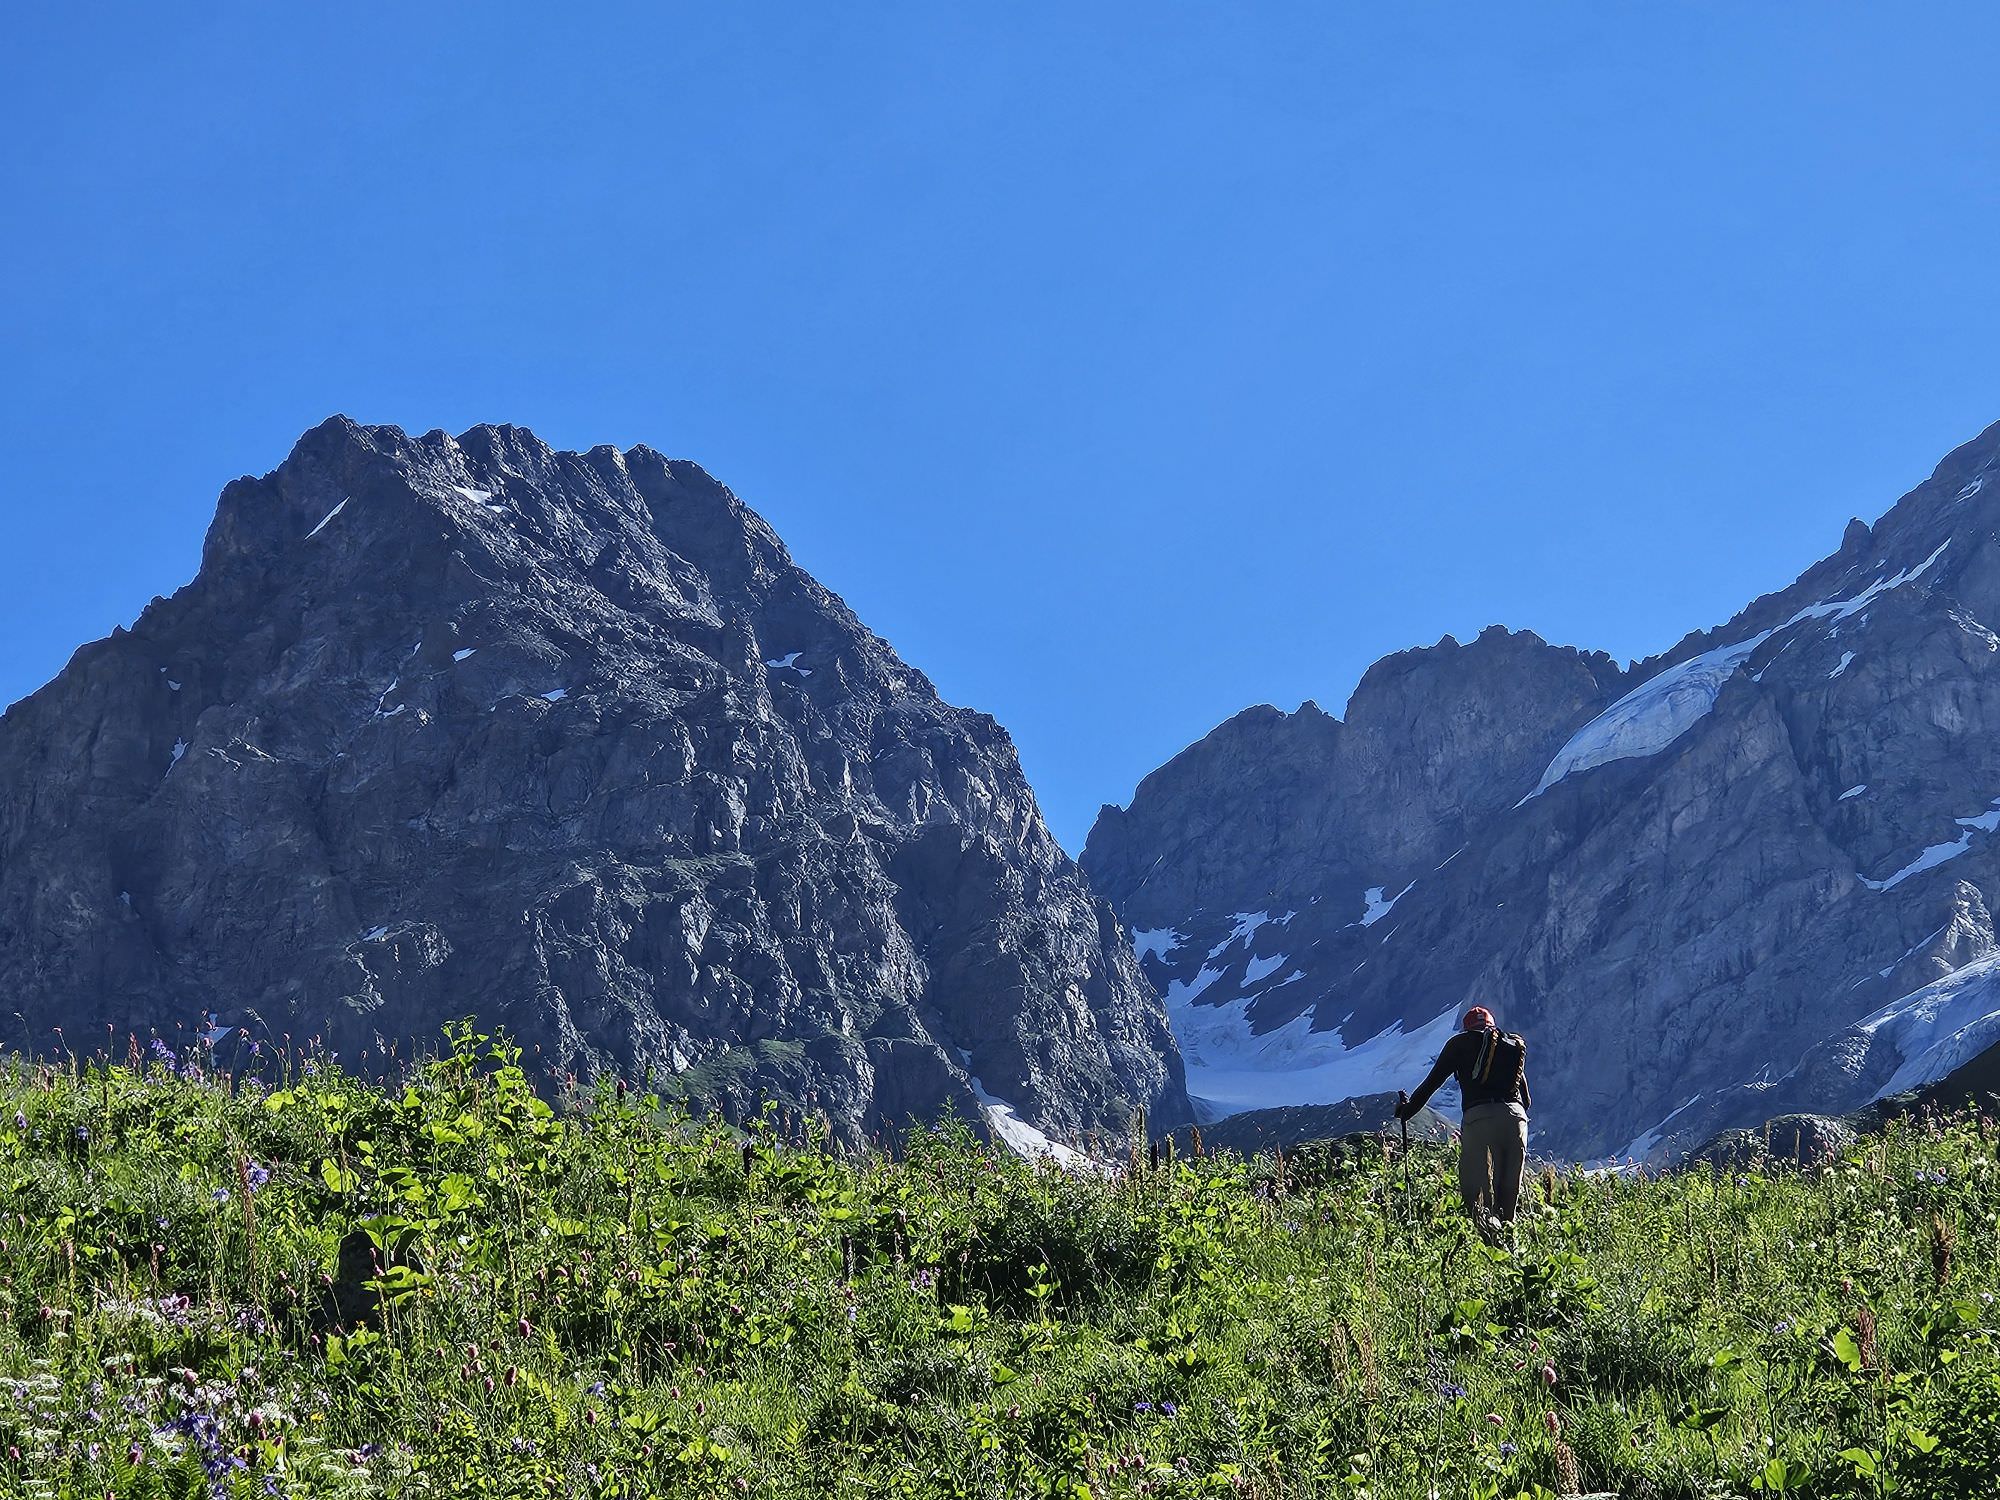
1492	1150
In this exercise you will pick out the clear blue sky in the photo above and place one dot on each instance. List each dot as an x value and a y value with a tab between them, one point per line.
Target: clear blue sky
1122	364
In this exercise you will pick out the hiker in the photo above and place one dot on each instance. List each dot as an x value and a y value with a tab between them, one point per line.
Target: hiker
1491	1068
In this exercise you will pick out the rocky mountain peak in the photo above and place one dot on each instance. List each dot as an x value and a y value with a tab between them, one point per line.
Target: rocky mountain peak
469	724
1752	874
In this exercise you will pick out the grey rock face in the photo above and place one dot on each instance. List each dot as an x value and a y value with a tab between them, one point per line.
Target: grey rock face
1788	1140
1290	1126
1277	808
1752	876
566	741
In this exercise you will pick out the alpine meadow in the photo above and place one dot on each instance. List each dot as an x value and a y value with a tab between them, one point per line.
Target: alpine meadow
216	1288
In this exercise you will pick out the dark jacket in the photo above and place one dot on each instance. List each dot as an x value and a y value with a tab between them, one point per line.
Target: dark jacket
1482	1078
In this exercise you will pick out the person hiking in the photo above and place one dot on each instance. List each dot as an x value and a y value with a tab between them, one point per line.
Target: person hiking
1491	1068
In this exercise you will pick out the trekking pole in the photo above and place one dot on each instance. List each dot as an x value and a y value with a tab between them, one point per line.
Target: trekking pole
1403	1103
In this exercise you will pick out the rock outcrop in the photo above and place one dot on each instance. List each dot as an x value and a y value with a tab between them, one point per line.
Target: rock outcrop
1290	1126
1752	876
566	741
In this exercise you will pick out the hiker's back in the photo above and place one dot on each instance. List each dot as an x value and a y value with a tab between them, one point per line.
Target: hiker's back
1494	1072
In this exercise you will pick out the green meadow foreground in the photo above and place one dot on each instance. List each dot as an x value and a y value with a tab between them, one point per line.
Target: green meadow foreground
606	1299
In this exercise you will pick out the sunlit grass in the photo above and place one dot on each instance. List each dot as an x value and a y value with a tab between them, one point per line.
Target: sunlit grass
605	1298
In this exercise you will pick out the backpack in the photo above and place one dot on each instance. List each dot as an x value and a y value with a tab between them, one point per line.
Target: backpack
1495	1073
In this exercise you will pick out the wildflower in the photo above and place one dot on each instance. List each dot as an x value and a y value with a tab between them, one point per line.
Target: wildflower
1507	1450
256	1175
20	1120
1493	1419
524	1328
1168	1409
83	1135
1553	1422
220	1195
1142	1406
1449	1392
1548	1374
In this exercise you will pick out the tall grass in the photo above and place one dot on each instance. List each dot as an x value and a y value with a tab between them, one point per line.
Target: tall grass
313	1286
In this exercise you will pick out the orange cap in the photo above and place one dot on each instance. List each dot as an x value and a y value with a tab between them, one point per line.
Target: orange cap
1479	1018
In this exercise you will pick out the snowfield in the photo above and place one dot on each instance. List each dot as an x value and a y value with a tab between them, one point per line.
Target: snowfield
1945	1024
1230	1070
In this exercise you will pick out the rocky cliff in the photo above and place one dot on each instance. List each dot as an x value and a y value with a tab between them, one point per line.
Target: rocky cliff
566	741
1752	875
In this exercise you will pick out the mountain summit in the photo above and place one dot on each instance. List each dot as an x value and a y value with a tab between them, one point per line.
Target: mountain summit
451	726
1751	876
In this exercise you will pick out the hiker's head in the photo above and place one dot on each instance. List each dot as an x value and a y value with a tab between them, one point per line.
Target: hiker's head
1479	1018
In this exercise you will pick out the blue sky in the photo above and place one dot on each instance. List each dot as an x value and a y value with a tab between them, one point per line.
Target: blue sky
1122	364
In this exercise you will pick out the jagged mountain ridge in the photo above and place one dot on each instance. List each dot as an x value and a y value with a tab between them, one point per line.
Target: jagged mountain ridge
449	726
1708	887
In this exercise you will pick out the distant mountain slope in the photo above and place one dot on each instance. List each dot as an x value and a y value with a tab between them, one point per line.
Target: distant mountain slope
1706	888
447	726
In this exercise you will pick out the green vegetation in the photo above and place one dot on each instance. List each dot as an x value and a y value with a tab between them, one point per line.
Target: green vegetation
603	1298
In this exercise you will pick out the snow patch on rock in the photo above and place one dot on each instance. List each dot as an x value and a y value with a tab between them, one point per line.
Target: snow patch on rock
1640	1147
325	518
1243	927
1262	968
1019	1136
1937	854
1378	908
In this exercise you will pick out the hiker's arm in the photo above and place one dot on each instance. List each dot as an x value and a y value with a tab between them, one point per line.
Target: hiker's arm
1440	1071
1527	1099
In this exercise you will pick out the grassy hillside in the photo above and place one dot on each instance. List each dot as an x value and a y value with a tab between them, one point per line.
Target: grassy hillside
604	1299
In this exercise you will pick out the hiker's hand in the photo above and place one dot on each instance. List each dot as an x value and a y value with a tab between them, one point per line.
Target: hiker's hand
1404	1109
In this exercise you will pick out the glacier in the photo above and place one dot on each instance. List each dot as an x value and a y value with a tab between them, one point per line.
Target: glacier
1937	1028
1667	705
